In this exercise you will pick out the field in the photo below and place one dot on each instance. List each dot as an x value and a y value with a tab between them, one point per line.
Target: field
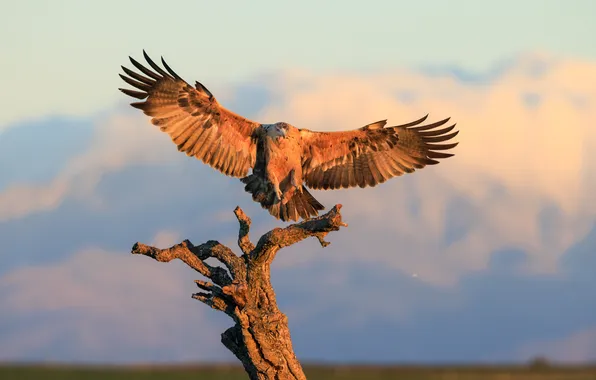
188	372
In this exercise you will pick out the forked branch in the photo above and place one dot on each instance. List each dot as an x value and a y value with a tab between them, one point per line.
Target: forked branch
242	289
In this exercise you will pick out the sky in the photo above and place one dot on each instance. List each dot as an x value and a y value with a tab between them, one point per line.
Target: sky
60	56
492	249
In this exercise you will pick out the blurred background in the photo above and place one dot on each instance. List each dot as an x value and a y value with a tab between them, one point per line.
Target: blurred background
487	258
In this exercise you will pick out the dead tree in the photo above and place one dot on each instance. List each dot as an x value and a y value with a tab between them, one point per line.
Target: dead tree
260	338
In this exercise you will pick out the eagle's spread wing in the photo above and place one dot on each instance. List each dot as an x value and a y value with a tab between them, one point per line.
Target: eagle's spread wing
372	154
193	118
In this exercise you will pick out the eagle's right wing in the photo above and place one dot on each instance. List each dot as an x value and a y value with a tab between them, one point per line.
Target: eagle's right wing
192	117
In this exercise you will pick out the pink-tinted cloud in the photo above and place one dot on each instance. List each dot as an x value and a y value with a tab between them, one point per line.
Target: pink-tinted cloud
515	159
104	306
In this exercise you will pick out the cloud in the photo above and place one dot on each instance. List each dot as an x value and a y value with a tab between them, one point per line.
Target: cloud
120	139
103	306
19	165
491	233
514	159
164	239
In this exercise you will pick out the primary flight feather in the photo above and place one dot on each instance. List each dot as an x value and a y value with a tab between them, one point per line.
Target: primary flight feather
284	159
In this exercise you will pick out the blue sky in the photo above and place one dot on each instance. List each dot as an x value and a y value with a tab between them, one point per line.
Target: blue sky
492	248
61	56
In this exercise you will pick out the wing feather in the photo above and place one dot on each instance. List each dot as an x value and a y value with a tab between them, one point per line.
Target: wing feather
136	76
374	153
193	118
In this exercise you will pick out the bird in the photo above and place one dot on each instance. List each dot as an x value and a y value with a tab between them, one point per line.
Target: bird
284	161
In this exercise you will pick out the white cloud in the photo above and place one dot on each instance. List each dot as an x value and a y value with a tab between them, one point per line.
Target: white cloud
121	139
523	179
514	161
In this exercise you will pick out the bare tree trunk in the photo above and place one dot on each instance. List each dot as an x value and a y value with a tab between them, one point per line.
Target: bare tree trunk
260	338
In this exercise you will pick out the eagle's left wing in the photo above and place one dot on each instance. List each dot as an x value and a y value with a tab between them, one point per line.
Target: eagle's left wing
372	154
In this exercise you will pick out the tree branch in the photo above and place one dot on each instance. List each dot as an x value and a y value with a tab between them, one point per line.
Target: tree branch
279	238
243	239
214	302
191	255
235	264
260	338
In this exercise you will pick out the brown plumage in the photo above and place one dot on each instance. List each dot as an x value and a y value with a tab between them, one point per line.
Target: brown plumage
283	158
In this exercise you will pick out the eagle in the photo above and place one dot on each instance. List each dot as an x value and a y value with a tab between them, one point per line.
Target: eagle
284	161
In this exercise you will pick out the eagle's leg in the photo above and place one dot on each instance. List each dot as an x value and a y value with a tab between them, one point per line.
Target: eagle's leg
289	193
293	179
275	184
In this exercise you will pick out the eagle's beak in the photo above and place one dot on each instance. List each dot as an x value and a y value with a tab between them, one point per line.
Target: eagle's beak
281	131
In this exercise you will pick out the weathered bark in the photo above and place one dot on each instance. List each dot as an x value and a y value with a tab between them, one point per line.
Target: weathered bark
260	338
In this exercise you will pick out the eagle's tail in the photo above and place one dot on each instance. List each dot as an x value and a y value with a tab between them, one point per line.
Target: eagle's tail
301	205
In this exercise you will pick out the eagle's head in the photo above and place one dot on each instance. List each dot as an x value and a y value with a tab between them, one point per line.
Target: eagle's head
277	130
